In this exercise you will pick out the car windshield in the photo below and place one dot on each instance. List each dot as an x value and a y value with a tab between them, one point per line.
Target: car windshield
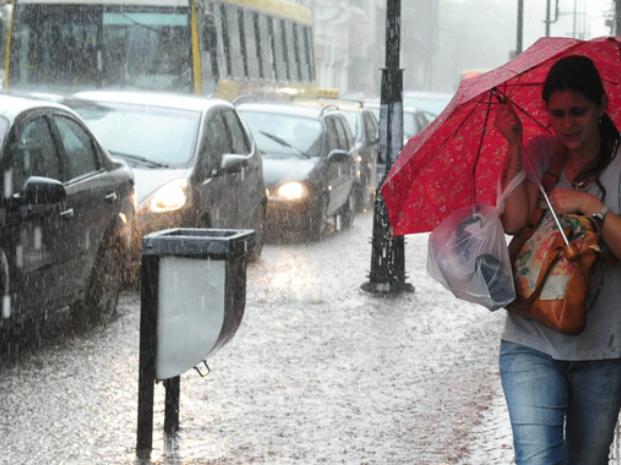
278	134
410	127
157	135
432	103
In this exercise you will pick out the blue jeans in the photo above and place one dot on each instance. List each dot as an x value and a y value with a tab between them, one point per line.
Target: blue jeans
562	413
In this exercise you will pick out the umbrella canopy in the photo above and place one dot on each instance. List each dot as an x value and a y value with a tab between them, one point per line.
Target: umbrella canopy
456	161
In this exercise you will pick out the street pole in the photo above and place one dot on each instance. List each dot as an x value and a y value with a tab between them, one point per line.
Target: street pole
547	18
387	275
618	17
520	27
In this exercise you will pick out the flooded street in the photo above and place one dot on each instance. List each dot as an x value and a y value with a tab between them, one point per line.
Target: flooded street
318	372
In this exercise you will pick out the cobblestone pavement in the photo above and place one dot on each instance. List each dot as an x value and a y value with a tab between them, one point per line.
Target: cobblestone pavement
319	372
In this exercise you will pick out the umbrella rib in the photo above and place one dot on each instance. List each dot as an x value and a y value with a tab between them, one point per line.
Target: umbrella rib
520	108
478	152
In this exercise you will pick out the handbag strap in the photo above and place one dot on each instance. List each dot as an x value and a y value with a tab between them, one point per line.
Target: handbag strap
550	178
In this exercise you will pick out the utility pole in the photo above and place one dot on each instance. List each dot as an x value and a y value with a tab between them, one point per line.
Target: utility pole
520	27
618	17
548	21
387	275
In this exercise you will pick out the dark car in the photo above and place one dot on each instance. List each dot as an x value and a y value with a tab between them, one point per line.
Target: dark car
65	214
308	165
364	125
364	129
195	163
414	119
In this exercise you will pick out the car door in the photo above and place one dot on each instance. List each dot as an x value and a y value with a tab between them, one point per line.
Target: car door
333	168
216	202
345	165
90	199
33	235
372	136
250	186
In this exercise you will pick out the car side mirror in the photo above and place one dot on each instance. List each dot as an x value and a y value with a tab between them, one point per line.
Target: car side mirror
338	156
39	190
233	163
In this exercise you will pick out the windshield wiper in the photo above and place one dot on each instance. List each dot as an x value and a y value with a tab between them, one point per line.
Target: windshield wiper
284	143
141	160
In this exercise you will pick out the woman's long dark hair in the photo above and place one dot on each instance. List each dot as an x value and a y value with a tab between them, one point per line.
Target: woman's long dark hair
578	73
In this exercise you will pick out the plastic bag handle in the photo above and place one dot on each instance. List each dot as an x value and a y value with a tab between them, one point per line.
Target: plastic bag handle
502	194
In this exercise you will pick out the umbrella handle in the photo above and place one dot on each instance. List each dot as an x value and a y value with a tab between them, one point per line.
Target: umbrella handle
555	216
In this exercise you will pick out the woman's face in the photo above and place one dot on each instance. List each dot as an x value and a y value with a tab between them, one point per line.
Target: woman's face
574	118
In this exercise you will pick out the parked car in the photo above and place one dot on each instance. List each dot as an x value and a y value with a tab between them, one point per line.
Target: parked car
364	126
65	214
195	162
414	119
309	167
430	102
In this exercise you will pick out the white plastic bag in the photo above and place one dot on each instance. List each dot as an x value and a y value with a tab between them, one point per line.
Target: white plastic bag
467	253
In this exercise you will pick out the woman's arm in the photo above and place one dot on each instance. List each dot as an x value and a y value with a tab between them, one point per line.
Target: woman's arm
521	201
584	203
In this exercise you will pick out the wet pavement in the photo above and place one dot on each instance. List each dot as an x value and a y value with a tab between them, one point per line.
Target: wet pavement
318	372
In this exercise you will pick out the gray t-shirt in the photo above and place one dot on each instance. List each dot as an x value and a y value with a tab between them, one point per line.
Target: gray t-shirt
602	337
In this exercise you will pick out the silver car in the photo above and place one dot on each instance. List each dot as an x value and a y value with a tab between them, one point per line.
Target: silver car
194	162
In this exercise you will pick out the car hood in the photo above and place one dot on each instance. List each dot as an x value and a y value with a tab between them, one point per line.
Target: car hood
148	180
280	170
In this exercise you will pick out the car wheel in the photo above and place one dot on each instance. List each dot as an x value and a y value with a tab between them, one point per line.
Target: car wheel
360	195
259	238
348	211
104	285
318	220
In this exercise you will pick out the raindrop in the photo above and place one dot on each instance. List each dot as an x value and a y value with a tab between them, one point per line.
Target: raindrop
6	306
87	240
19	255
37	238
8	183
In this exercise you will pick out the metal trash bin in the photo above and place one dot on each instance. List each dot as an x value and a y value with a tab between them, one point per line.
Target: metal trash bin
193	294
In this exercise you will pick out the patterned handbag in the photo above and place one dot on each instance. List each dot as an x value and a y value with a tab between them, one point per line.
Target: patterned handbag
552	279
551	284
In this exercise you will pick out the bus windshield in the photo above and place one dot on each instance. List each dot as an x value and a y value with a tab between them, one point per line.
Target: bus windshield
62	49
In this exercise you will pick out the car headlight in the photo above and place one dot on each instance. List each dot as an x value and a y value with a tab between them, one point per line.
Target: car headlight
292	191
170	197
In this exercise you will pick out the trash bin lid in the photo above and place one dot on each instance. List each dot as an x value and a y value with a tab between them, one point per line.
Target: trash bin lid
199	242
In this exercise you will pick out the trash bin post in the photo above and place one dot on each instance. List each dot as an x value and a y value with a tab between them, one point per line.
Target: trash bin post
171	411
148	347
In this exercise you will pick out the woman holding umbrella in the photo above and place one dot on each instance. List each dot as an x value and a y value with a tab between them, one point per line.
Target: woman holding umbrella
563	392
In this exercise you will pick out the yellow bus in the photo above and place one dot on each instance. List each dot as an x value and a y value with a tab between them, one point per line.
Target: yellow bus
222	48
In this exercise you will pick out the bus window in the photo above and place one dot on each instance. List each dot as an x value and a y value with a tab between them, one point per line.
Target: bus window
234	42
156	43
251	40
310	57
60	47
285	48
224	57
279	51
291	52
265	48
6	12
300	55
209	53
